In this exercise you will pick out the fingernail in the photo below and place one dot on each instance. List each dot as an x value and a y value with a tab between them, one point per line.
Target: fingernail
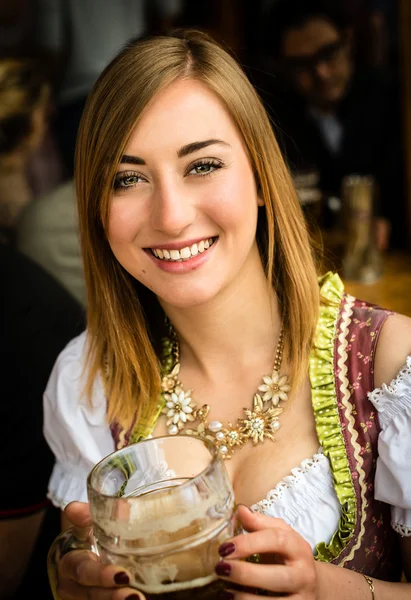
133	597
247	507
122	578
223	569
226	549
225	595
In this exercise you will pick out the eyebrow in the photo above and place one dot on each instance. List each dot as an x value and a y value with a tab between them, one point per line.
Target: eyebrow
194	146
184	151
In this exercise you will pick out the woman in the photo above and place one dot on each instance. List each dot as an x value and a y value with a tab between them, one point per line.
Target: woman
202	290
24	104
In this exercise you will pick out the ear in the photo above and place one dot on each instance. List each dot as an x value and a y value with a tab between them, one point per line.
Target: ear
260	199
349	39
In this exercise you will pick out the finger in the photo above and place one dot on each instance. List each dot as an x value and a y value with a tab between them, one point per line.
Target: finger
74	591
274	578
78	513
254	521
234	595
84	568
287	543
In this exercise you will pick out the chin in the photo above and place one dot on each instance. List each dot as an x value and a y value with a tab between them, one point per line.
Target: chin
186	299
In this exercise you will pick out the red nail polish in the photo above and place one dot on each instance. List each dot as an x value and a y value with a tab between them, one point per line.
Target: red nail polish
121	578
247	507
223	569
226	549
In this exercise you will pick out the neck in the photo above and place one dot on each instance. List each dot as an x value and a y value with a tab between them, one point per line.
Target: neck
238	328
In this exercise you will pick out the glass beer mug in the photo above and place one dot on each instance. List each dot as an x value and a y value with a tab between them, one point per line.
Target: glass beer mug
160	508
362	259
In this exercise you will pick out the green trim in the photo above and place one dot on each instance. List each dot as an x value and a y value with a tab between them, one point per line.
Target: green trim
328	425
143	430
139	433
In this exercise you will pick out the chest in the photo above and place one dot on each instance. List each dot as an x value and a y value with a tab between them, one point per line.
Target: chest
255	469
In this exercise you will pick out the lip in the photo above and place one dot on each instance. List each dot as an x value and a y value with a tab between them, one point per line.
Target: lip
179	245
185	266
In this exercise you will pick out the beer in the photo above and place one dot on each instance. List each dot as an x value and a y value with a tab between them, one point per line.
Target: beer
161	508
207	592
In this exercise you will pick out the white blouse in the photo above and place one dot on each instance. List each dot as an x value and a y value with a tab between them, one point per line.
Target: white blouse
80	437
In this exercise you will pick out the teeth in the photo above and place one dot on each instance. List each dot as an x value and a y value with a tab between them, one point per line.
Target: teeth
184	253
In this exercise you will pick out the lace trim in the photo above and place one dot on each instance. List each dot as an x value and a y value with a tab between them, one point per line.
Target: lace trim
379	394
67	483
288	482
401	529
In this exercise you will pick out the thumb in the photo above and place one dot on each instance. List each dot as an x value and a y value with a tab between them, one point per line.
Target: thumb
254	521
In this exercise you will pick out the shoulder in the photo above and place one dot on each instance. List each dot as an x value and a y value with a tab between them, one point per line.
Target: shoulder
69	369
394	345
65	393
31	294
50	207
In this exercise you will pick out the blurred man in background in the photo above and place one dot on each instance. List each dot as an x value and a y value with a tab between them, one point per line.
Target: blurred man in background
332	117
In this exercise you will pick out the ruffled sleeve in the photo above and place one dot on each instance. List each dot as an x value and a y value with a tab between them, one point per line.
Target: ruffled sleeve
393	469
76	431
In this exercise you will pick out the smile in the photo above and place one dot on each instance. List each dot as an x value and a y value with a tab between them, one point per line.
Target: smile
184	253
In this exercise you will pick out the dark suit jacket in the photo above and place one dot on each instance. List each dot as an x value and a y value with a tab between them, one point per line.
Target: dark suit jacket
38	318
370	115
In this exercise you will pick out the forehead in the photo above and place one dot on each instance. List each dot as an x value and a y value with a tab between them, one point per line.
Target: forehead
308	39
184	112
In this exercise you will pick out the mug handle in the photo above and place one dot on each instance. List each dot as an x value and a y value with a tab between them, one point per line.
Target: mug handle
71	539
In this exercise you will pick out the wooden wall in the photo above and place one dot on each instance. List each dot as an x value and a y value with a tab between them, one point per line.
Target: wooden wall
405	57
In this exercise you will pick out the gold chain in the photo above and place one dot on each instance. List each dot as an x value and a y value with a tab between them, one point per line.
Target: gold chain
370	584
260	423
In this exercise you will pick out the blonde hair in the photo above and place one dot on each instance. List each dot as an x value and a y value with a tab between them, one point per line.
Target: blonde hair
121	326
23	88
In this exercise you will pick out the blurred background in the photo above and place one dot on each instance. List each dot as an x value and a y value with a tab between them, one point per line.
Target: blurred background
335	77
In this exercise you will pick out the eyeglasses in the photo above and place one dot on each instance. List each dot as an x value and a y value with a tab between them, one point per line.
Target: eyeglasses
307	64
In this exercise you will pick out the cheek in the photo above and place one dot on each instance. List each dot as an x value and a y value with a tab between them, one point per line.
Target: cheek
303	81
124	221
235	204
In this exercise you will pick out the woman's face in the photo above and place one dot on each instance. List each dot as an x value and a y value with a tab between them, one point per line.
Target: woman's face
183	212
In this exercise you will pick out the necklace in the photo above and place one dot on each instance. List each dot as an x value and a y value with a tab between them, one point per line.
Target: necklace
181	410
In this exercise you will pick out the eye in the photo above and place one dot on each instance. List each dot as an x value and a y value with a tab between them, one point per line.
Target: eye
205	167
126	180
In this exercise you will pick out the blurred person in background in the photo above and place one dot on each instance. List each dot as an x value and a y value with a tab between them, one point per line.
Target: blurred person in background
331	116
39	317
24	101
47	232
82	37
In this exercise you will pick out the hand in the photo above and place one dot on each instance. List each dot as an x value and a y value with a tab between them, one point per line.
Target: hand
291	569
81	575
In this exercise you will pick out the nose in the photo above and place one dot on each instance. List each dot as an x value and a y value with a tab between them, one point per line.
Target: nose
173	208
322	70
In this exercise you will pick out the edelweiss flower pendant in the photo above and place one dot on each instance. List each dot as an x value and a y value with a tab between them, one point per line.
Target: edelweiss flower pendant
275	388
260	423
